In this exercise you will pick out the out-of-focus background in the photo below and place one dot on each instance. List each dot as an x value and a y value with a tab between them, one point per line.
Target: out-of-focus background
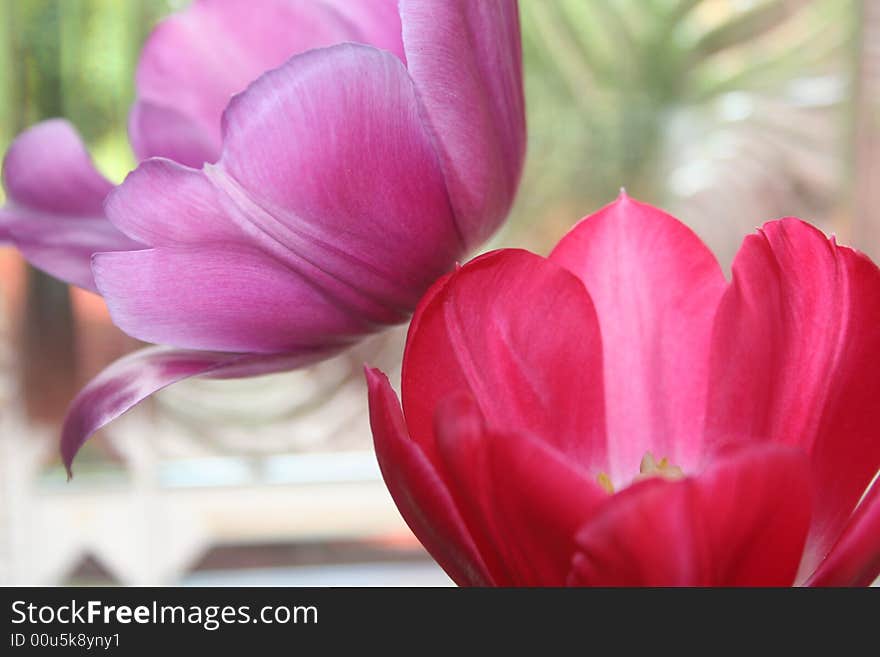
727	113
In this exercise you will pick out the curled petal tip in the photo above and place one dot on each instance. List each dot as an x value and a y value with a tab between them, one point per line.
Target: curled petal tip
372	374
622	196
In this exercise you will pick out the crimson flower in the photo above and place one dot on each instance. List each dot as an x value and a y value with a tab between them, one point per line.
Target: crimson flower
620	414
328	196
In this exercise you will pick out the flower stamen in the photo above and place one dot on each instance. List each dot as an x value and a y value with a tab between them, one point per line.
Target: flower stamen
650	467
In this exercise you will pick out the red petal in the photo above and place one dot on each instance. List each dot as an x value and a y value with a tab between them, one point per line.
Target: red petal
520	335
795	348
655	287
521	499
741	523
420	494
855	558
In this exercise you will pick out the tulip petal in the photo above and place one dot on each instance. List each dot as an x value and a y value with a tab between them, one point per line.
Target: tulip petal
183	71
794	357
855	558
54	214
522	500
224	298
47	168
362	237
466	60
162	203
133	378
655	287
63	246
158	131
327	157
372	22
420	494
742	522
484	330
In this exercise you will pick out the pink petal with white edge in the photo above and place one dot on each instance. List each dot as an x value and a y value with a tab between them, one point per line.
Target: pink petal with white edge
133	378
162	203
742	522
183	70
328	172
466	60
795	348
655	287
54	212
327	158
222	298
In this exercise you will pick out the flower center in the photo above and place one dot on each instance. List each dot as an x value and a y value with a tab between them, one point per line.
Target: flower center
649	467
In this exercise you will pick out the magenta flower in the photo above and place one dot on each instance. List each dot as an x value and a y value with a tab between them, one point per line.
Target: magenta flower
619	414
191	65
195	60
348	180
54	212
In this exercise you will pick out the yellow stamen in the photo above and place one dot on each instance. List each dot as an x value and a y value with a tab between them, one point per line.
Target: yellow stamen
605	482
649	467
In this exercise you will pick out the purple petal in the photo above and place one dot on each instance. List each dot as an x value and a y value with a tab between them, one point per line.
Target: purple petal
47	168
133	378
63	246
372	22
54	214
226	297
157	130
326	218
331	149
185	69
162	203
466	60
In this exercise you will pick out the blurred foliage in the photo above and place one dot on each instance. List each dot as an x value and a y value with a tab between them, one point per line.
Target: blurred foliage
615	86
622	66
76	59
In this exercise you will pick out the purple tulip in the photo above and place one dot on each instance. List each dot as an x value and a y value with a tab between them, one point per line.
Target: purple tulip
184	81
195	60
54	212
345	181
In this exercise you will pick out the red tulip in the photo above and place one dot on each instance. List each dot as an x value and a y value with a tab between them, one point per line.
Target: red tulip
620	414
